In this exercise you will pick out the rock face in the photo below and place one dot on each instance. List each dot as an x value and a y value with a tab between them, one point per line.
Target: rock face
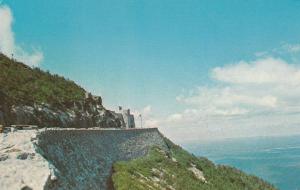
83	158
86	113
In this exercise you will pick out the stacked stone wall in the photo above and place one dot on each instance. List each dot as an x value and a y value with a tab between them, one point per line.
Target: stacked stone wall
83	158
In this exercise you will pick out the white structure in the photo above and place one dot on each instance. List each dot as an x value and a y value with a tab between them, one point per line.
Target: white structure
128	118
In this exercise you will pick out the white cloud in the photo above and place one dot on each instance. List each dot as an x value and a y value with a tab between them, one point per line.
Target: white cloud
256	98
291	48
262	71
175	117
8	45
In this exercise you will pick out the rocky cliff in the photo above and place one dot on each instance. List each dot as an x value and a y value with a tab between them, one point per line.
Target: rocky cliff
86	113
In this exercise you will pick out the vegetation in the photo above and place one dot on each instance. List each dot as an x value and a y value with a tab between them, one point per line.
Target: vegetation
170	170
26	85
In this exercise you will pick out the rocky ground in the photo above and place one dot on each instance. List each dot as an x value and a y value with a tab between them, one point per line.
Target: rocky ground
20	165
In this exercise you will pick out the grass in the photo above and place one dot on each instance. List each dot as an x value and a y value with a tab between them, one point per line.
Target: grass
169	170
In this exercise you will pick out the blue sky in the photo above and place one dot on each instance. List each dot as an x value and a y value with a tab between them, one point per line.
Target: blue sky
149	55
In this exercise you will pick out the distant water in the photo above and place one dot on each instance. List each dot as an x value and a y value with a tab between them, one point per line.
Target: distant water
275	159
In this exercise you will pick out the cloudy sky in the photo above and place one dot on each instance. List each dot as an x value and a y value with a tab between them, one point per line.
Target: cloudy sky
198	70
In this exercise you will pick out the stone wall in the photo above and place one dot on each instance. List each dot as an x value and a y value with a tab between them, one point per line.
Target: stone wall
83	158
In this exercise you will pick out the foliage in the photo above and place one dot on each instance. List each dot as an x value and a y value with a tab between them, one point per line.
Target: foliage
26	85
160	170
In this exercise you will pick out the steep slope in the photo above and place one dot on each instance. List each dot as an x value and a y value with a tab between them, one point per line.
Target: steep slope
30	96
177	169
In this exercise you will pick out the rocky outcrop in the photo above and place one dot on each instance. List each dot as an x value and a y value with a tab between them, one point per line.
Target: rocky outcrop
20	165
82	114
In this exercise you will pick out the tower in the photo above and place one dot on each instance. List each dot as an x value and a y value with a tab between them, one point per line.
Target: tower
128	119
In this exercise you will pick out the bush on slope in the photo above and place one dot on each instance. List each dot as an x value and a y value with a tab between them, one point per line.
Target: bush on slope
26	85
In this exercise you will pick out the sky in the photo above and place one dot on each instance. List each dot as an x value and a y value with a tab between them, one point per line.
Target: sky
197	69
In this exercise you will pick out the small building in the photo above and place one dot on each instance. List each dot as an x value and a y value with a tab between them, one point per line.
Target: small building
127	117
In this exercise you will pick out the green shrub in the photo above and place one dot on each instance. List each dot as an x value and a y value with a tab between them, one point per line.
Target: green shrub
26	85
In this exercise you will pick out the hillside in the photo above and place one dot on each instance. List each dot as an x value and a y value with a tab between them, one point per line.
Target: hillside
178	169
25	85
30	96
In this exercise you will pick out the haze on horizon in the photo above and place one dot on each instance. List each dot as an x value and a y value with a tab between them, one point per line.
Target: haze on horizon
198	70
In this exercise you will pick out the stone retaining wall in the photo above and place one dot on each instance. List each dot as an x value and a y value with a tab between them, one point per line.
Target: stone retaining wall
83	159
